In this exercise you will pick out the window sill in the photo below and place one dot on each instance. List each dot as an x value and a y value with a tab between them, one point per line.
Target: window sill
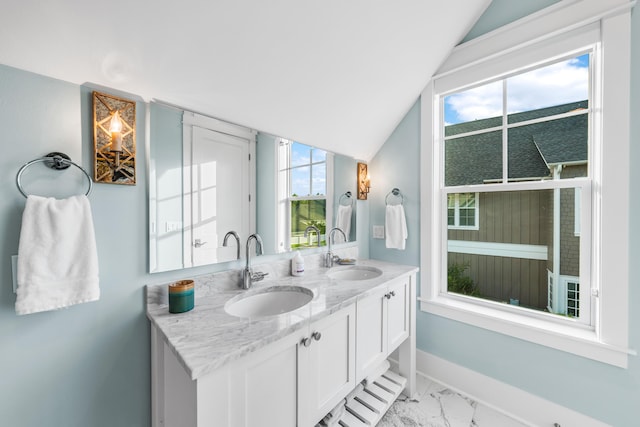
571	339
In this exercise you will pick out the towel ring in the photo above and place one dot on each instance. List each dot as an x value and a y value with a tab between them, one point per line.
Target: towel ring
347	196
55	160
395	192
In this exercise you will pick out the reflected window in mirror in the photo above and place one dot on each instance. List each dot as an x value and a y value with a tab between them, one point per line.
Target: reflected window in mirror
305	190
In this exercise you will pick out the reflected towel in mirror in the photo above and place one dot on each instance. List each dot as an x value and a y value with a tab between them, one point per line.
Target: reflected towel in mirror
343	222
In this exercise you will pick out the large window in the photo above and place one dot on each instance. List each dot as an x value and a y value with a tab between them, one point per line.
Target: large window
520	188
524	133
303	182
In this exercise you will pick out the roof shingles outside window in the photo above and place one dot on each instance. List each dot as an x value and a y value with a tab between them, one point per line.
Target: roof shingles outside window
533	149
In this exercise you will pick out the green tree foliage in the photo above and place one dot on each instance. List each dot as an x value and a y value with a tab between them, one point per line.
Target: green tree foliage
460	283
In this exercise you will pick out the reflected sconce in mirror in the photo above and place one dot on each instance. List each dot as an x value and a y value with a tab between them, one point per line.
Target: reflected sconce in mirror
114	139
364	182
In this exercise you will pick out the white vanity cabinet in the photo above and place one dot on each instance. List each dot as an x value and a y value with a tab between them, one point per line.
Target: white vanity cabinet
292	382
383	323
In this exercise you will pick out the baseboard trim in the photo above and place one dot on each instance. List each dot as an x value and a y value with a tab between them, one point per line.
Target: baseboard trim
511	401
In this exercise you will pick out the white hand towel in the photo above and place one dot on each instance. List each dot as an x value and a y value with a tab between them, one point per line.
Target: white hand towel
395	226
343	222
57	255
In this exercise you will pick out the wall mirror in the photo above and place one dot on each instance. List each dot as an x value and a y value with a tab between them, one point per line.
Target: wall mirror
208	177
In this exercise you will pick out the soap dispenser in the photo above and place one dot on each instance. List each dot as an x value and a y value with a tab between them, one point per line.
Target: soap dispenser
297	265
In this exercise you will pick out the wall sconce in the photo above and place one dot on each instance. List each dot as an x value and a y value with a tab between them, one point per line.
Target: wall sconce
364	182
114	139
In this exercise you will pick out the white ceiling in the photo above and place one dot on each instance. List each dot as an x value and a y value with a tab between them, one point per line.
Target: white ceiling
336	74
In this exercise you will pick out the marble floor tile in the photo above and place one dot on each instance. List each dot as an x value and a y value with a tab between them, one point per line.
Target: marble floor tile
436	406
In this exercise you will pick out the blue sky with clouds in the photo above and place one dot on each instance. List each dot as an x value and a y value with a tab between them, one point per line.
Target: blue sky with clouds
300	177
555	84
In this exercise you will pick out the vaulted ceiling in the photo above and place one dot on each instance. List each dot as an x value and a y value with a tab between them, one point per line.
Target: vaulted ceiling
336	74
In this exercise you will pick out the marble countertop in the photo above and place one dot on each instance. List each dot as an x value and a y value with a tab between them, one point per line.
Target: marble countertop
206	338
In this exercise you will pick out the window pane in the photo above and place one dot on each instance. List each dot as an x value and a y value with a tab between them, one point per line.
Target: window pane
534	149
470	109
467	217
300	154
467	200
473	159
303	214
319	179
561	83
300	183
510	258
318	155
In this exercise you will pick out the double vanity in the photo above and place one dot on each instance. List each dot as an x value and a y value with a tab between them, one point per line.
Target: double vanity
286	351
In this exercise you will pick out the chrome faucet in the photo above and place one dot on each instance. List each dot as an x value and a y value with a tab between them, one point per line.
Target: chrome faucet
312	228
234	234
329	258
248	276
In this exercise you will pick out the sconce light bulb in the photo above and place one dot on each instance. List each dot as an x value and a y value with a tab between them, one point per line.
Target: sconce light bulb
116	133
116	124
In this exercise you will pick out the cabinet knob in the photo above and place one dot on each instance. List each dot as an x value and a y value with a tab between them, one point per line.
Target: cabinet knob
316	336
387	296
393	293
306	342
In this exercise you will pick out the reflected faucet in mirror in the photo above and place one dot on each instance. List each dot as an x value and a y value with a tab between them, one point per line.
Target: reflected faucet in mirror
248	276
235	235
329	258
312	228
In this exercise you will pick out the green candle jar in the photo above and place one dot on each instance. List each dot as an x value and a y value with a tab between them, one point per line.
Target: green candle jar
181	296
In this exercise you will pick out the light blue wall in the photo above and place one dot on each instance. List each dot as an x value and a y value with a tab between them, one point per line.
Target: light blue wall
601	391
397	165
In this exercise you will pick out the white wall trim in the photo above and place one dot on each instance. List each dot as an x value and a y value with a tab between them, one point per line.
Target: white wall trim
509	250
194	119
511	401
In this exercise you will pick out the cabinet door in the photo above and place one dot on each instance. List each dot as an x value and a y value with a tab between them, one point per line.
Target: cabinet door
264	386
397	314
371	333
327	373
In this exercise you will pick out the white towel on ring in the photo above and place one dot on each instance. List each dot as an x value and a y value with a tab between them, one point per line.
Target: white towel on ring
395	225
343	222
57	255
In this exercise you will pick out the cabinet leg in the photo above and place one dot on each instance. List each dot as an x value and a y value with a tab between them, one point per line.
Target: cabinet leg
407	350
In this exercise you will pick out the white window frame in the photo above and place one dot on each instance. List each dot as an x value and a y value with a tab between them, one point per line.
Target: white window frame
558	29
284	194
456	222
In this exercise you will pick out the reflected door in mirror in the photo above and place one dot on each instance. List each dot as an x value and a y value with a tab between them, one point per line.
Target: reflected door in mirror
218	197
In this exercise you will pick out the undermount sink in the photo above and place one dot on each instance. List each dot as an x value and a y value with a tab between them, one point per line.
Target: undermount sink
357	272
269	301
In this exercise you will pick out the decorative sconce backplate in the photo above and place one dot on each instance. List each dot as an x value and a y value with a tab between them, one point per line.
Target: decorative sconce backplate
363	181
114	139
